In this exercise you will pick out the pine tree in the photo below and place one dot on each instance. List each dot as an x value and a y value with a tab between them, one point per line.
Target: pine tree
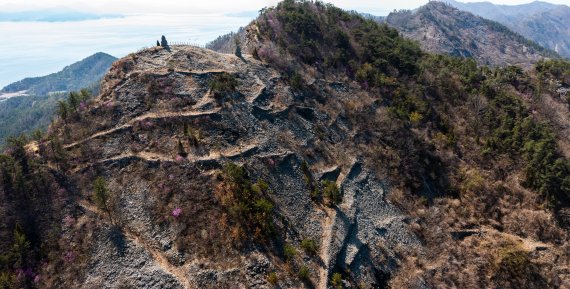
6	172
181	151
85	93
101	194
21	247
63	110
74	99
238	49
255	54
163	42
157	43
59	152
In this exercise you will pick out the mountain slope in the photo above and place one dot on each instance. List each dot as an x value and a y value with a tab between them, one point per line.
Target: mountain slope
443	29
340	156
73	77
35	108
545	23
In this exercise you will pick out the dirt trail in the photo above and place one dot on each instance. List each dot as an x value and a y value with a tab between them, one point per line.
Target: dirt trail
159	259
526	243
148	116
328	227
154	157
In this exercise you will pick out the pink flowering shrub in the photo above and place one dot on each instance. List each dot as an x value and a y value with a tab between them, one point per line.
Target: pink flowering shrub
68	257
176	212
68	221
269	52
164	188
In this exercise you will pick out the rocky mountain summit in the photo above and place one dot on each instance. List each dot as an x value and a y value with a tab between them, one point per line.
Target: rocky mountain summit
340	157
262	129
441	28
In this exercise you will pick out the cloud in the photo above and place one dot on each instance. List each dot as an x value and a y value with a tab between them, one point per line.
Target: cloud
137	6
209	6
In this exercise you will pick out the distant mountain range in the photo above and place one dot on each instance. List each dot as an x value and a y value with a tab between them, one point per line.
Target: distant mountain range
441	28
547	24
32	101
72	77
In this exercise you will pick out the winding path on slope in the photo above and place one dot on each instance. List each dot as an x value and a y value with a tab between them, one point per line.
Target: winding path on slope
156	157
147	116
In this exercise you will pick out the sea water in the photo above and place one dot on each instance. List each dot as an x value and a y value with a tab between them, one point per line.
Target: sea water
30	49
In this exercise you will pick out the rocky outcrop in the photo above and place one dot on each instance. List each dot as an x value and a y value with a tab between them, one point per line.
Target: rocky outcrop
134	141
440	28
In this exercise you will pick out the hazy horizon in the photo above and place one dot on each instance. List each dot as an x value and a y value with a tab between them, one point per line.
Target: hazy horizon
44	46
32	49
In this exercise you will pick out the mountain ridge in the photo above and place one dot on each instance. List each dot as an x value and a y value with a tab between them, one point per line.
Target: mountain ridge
440	28
545	23
72	77
33	101
339	156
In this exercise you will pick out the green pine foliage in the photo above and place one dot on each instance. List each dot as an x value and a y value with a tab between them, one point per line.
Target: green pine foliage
310	246
223	85
248	203
289	252
101	195
331	192
327	37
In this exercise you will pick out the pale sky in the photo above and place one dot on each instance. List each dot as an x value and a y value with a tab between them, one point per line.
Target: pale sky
378	7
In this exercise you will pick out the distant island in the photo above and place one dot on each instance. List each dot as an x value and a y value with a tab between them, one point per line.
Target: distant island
52	15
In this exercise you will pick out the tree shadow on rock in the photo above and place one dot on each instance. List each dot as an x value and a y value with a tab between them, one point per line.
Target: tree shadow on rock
117	238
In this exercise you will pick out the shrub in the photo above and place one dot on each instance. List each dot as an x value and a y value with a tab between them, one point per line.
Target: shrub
247	203
336	281
192	134
516	270
272	278
304	273
296	81
310	246
8	281
331	192
176	212
222	85
416	117
289	251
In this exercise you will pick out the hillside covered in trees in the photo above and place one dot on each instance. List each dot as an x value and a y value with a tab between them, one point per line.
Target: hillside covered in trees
334	153
73	77
36	108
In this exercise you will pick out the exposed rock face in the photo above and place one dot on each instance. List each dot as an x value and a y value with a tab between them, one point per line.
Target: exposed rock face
260	127
543	22
441	28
